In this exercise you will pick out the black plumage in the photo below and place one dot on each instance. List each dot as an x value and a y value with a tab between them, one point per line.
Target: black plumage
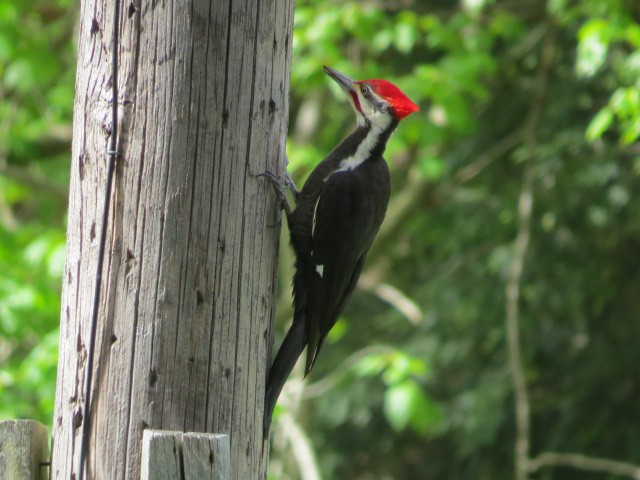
337	216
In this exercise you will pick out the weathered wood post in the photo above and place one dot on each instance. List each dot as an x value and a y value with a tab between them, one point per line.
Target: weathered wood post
188	283
184	456
24	450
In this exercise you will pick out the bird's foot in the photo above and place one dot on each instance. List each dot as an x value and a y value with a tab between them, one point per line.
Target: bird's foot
280	191
290	184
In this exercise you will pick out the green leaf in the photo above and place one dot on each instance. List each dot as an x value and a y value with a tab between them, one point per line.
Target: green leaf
432	167
398	369
19	75
402	366
601	122
631	131
406	404
398	404
370	365
36	251
56	259
338	331
592	47
405	37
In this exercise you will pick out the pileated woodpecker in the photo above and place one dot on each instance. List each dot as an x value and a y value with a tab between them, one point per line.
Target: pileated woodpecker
336	217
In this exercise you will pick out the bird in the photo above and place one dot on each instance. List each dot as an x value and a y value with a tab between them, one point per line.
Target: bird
336	217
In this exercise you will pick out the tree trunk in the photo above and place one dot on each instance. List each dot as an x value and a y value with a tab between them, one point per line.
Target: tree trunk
183	335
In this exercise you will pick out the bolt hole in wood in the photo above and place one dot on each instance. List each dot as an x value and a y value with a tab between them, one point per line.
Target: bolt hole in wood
77	419
169	454
129	261
153	377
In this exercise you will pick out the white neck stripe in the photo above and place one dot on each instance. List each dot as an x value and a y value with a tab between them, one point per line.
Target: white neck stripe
363	151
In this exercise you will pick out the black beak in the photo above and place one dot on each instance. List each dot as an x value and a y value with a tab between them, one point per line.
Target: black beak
342	80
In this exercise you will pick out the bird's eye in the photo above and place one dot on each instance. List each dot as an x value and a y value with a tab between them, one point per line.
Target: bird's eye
364	90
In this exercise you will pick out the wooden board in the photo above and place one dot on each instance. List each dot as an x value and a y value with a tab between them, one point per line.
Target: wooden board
24	447
188	456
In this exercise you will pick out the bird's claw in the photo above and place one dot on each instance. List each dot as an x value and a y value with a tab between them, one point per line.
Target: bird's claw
280	191
290	184
270	176
275	224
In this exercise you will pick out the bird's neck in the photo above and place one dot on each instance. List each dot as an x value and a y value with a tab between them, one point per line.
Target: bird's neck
366	143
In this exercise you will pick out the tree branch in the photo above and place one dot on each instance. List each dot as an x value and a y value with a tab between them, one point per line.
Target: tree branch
583	462
321	386
31	178
525	204
497	150
514	280
301	448
394	297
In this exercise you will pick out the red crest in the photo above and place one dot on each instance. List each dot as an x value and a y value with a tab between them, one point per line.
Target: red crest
400	103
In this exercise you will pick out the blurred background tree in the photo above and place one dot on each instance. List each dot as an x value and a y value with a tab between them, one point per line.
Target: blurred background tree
505	279
37	69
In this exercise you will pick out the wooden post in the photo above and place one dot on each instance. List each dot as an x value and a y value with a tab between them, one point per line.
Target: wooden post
206	456
183	336
188	456
161	455
24	448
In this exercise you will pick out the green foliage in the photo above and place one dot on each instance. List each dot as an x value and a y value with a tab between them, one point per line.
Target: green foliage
611	41
457	165
36	81
405	402
435	400
31	262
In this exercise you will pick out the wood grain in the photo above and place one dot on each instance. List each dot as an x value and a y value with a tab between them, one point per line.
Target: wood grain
24	447
161	455
188	285
170	455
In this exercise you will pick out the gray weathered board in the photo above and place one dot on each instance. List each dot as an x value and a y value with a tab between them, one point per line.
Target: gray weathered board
183	334
23	448
185	456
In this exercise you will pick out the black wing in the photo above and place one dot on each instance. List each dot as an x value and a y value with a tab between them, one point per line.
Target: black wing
344	225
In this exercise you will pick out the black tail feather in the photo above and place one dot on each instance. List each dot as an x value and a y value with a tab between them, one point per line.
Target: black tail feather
287	356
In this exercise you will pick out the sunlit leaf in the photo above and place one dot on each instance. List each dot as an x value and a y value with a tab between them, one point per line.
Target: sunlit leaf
405	404
431	167
593	47
405	36
599	124
398	405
